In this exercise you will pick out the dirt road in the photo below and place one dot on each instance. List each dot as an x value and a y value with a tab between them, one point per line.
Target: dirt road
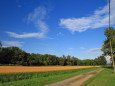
77	80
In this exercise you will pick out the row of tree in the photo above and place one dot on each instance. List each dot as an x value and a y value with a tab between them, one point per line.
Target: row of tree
16	56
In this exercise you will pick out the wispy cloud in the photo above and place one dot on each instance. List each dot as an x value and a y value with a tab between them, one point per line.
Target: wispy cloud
12	43
93	51
36	17
60	34
70	48
50	50
97	20
82	48
25	35
19	6
47	50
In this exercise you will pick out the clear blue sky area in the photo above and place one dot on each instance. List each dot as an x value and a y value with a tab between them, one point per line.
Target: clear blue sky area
69	27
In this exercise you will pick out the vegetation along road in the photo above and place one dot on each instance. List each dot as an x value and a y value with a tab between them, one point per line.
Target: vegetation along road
104	78
40	78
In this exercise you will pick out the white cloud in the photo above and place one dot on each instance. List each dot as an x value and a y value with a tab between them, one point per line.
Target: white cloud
60	34
51	50
82	48
93	51
25	35
37	18
19	6
70	48
12	43
97	20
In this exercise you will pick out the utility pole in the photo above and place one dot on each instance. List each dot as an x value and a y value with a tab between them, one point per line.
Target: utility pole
0	45
111	41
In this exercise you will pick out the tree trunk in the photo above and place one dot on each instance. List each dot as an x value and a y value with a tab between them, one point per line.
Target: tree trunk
112	56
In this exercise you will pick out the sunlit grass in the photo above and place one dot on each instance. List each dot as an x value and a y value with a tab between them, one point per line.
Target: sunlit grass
104	78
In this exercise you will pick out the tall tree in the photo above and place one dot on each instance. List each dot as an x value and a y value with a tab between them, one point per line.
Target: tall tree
109	44
68	60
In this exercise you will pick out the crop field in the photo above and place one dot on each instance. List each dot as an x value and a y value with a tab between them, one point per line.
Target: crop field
19	69
40	78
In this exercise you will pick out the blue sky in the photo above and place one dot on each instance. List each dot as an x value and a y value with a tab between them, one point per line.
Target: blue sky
69	27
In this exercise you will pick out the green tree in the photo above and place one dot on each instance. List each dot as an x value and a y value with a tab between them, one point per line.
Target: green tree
62	61
73	61
35	59
6	55
68	60
101	60
109	44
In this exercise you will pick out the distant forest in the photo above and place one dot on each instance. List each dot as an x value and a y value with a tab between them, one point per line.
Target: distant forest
16	56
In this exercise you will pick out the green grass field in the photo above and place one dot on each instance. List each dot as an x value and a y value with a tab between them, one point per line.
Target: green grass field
104	78
39	78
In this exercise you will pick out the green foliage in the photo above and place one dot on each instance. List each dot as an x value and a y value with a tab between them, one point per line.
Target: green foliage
14	55
110	35
101	60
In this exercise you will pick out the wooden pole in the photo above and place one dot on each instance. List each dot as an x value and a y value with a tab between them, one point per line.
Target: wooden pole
111	41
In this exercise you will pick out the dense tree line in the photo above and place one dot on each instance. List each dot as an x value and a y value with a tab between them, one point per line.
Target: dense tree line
16	56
